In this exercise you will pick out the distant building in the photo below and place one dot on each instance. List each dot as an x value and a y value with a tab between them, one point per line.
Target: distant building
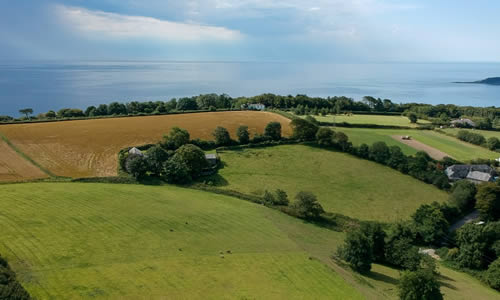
211	159
463	123
135	151
256	106
213	162
473	173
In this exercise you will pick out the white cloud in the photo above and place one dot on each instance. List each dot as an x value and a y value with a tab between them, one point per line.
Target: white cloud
112	25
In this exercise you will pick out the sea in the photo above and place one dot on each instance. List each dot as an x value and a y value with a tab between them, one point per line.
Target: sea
46	85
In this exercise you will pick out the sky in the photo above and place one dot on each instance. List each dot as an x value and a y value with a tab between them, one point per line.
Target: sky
251	30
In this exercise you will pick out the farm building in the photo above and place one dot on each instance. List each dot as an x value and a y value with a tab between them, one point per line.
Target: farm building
135	151
473	173
213	162
463	123
256	106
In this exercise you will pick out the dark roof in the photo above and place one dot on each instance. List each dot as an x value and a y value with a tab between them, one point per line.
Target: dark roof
475	172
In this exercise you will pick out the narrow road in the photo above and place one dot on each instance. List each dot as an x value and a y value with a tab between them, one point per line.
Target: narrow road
467	219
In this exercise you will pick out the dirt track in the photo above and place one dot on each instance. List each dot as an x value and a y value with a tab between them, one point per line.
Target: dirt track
433	152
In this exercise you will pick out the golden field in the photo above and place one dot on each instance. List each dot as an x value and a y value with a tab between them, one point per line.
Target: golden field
14	167
87	148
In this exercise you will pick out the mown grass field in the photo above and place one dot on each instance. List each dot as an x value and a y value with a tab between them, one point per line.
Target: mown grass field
72	241
343	183
455	148
88	148
371	119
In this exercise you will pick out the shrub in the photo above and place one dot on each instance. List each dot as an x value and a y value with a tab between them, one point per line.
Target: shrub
307	206
463	195
136	166
379	152
488	201
273	131
492	275
364	151
471	137
357	251
493	143
419	285
243	135
324	137
281	198
303	129
268	198
193	157
176	171
10	288
413	118
222	137
177	137
156	157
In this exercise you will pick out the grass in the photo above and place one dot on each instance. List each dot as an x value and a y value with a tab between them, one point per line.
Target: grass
343	183
89	148
75	240
486	133
459	150
371	119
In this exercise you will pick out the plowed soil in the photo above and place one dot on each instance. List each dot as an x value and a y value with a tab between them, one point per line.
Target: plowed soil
433	152
88	148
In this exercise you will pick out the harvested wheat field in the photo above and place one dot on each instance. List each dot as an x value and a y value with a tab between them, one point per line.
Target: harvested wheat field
14	167
88	148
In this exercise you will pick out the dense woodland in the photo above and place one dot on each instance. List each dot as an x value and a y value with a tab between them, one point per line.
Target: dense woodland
487	117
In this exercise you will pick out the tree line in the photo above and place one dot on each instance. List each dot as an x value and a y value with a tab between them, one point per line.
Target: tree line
492	143
10	288
300	104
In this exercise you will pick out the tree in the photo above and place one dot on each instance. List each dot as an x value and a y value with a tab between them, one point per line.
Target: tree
419	285
397	159
222	137
379	152
101	110
430	223
463	195
341	141
488	201
473	243
377	236
399	250
364	151
136	166
307	205
116	108
493	143
243	135
10	288
413	117
156	157
492	275
176	171
90	111
324	137
273	130
357	251
50	114
304	130
187	104
193	157
177	137
268	198
26	111
281	198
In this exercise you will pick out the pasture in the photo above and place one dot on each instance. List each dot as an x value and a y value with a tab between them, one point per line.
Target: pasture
370	119
343	183
88	148
455	148
104	241
486	133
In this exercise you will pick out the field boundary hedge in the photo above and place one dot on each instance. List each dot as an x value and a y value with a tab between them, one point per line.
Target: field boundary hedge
10	287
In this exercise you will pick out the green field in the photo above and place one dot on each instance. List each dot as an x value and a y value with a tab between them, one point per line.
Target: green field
371	119
486	133
457	149
69	240
343	183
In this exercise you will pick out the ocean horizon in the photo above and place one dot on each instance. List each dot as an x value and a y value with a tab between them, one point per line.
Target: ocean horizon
45	85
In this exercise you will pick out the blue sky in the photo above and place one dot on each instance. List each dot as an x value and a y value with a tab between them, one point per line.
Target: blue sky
251	30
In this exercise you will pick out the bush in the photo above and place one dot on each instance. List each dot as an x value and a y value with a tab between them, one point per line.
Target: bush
419	285
430	223
281	198
413	118
243	135
177	137
463	195
156	157
357	251
492	275
222	137
488	201
493	143
307	206
176	171
137	166
193	157
273	131
10	288
471	137
379	152
303	129
324	137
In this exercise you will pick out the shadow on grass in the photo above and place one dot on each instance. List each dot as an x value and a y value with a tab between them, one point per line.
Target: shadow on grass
382	277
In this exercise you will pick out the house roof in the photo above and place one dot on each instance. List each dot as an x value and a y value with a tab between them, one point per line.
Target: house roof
479	176
462	121
473	172
135	151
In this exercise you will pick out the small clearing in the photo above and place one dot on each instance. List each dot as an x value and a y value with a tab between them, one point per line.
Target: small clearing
433	152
